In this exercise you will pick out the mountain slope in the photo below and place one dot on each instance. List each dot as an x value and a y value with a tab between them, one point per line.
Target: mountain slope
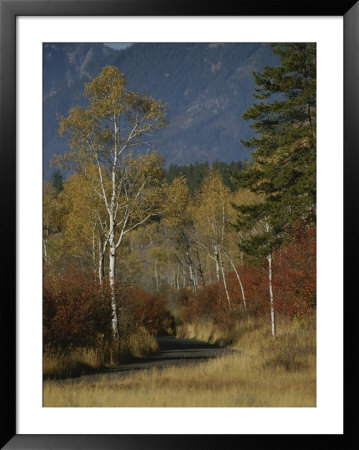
206	87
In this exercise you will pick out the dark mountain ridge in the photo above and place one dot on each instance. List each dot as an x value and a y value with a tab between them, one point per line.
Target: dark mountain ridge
206	87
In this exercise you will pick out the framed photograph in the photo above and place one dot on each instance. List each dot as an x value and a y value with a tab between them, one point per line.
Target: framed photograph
173	182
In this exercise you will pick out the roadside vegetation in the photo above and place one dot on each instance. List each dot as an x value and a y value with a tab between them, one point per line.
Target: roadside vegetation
130	253
266	373
76	317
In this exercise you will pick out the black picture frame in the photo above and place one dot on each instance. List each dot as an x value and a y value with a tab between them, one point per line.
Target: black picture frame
9	10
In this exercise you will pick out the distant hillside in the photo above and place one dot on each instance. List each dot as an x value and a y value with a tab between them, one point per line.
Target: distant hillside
207	87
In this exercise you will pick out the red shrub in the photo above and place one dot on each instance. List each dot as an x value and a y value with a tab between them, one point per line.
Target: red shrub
150	311
203	305
294	286
76	309
294	275
255	285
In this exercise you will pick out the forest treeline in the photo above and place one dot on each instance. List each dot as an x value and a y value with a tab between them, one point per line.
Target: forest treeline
132	250
194	173
197	172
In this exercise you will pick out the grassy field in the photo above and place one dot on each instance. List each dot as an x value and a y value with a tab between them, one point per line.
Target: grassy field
267	373
81	361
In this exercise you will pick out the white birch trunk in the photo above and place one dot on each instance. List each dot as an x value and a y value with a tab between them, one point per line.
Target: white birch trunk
177	278
190	269
225	284
101	265
45	250
112	268
156	277
239	281
271	300
272	312
191	275
112	274
195	279
113	248
216	259
93	252
100	269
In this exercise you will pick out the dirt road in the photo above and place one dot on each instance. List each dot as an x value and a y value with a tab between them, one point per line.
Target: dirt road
173	352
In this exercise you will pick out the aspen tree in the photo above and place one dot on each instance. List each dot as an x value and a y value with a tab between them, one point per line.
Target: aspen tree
114	123
211	221
84	224
179	219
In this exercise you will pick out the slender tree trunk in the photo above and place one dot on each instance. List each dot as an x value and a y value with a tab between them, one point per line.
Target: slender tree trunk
191	275
199	268
112	243
156	277
225	283
112	269
272	312
44	240
239	281
195	279
93	252
216	259
100	269
101	261
177	278
271	300
190	268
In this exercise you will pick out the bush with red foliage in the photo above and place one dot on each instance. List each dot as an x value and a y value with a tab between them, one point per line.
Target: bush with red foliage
294	286
255	284
149	310
294	275
76	309
206	304
210	302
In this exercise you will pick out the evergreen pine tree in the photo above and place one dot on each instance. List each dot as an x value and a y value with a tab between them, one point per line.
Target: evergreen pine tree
284	150
283	171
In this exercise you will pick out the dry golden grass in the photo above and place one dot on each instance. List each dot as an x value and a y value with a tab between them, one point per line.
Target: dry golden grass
266	373
214	334
80	361
137	345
